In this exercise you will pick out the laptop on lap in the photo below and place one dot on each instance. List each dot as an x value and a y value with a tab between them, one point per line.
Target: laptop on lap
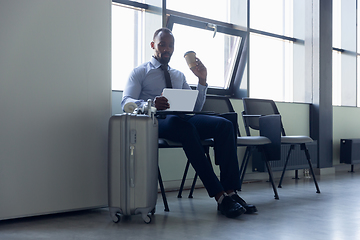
182	100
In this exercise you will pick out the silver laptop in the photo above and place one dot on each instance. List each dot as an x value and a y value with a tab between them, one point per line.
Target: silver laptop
181	99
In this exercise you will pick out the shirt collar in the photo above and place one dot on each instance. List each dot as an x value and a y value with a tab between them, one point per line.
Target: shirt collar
156	63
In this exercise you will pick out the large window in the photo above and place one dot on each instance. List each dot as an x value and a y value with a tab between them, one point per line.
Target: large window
228	11
344	53
275	16
127	43
219	34
277	51
203	8
216	43
219	60
217	46
271	64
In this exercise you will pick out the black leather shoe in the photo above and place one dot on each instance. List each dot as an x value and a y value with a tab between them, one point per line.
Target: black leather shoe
230	208
249	207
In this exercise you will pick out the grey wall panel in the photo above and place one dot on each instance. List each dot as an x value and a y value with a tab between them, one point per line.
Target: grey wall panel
55	94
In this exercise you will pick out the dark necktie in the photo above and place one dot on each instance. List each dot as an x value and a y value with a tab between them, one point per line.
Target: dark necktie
167	76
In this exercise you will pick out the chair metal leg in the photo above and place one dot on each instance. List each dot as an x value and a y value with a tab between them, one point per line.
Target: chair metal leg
286	162
303	147
193	186
183	179
163	192
276	195
296	174
244	164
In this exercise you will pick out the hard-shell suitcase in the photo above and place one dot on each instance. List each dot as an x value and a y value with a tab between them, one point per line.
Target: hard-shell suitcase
133	165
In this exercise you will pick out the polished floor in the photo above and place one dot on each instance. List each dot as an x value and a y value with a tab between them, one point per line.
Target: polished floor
299	214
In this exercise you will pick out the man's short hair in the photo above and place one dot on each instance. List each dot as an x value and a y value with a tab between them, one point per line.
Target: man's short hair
164	29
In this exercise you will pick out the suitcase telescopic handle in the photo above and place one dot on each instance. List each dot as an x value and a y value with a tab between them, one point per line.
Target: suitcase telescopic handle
132	166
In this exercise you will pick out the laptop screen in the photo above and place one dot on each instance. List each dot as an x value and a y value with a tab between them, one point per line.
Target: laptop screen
181	99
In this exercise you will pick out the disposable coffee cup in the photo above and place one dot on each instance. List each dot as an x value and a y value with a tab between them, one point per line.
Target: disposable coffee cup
190	58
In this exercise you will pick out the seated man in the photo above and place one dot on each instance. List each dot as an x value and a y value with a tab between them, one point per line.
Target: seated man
148	81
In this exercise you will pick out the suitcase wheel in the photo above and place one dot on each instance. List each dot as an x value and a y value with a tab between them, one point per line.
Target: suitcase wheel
116	218
146	218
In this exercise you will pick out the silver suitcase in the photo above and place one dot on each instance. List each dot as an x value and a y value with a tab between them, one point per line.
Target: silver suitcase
133	165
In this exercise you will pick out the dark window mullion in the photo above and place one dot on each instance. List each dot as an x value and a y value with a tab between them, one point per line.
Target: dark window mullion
274	35
203	25
132	4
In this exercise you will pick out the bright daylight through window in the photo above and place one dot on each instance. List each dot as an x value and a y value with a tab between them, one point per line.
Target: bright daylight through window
127	52
276	66
218	53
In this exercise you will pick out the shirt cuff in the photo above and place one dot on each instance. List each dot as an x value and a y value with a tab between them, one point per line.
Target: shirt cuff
202	88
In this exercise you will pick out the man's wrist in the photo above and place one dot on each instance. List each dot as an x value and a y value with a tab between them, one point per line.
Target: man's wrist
202	81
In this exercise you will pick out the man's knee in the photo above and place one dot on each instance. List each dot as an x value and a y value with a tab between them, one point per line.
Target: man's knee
226	125
180	128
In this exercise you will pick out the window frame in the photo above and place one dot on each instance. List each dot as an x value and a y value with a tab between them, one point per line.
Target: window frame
132	4
225	28
240	70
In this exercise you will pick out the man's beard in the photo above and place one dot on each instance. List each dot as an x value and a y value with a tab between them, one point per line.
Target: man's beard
165	60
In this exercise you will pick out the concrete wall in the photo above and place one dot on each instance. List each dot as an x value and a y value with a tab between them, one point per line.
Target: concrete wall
55	102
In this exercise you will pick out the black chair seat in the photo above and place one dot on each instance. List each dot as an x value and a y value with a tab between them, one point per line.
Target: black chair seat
295	139
252	140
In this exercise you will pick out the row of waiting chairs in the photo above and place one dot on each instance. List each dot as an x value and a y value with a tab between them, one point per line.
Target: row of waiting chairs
260	115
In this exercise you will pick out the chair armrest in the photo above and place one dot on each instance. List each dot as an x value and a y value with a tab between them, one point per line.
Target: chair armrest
270	127
246	115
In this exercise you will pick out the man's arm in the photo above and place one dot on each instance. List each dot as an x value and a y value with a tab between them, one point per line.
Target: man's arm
201	97
201	72
132	90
